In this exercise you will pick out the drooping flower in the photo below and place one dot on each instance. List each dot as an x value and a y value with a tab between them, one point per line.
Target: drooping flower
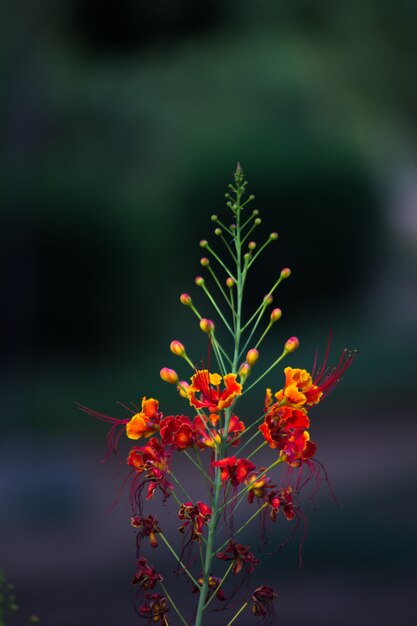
152	460
146	422
194	515
145	575
146	527
234	469
155	609
287	503
241	555
213	586
205	393
178	431
258	486
262	599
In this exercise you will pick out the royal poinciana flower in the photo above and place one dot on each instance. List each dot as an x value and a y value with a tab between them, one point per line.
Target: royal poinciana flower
286	502
178	431
209	437
145	575
284	428
205	393
241	555
234	469
155	609
146	422
146	527
196	516
213	586
263	598
151	460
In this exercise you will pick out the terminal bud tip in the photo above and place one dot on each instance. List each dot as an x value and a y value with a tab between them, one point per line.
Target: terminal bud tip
291	344
186	299
252	356
207	326
177	348
169	375
286	272
276	315
199	281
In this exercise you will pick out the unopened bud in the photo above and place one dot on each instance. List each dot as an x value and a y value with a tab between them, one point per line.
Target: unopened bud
247	256
232	226
255	212
218	231
230	282
186	299
204	261
244	372
203	243
286	272
214	218
268	299
177	348
207	326
183	388
276	315
258	221
252	356
199	281
169	375
291	344
252	245
273	236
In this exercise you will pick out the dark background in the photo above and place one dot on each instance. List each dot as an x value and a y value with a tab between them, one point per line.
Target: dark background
121	124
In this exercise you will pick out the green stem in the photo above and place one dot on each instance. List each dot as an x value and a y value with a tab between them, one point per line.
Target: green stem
219	585
212	300
174	606
271	367
252	517
197	465
242	608
177	558
257	449
218	259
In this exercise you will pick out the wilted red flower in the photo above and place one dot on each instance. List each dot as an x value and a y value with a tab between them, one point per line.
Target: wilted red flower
146	527
258	486
151	460
241	556
145	575
233	469
155	609
213	583
262	599
195	515
178	431
205	393
286	502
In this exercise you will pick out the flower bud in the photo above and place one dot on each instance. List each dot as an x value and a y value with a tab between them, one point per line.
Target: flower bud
252	356
183	388
276	315
230	282
273	236
214	218
255	212
258	221
291	344
268	299
203	243
244	371
199	281
207	326
286	272
204	261
218	231
252	245
177	348
169	375
186	299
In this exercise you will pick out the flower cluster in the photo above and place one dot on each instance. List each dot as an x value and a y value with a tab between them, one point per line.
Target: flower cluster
213	438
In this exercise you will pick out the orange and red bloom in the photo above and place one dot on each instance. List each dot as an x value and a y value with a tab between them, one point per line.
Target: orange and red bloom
146	422
177	431
152	460
195	516
205	392
234	469
241	555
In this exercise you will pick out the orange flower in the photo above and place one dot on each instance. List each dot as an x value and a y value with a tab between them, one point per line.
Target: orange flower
299	389
145	423
205	393
284	428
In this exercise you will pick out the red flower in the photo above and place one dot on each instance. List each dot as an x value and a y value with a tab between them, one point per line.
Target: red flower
204	391
177	431
262	599
241	556
145	575
146	527
208	437
153	462
233	469
155	609
284	428
286	501
195	515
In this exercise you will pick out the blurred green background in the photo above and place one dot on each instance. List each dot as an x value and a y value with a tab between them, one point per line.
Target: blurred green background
121	125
